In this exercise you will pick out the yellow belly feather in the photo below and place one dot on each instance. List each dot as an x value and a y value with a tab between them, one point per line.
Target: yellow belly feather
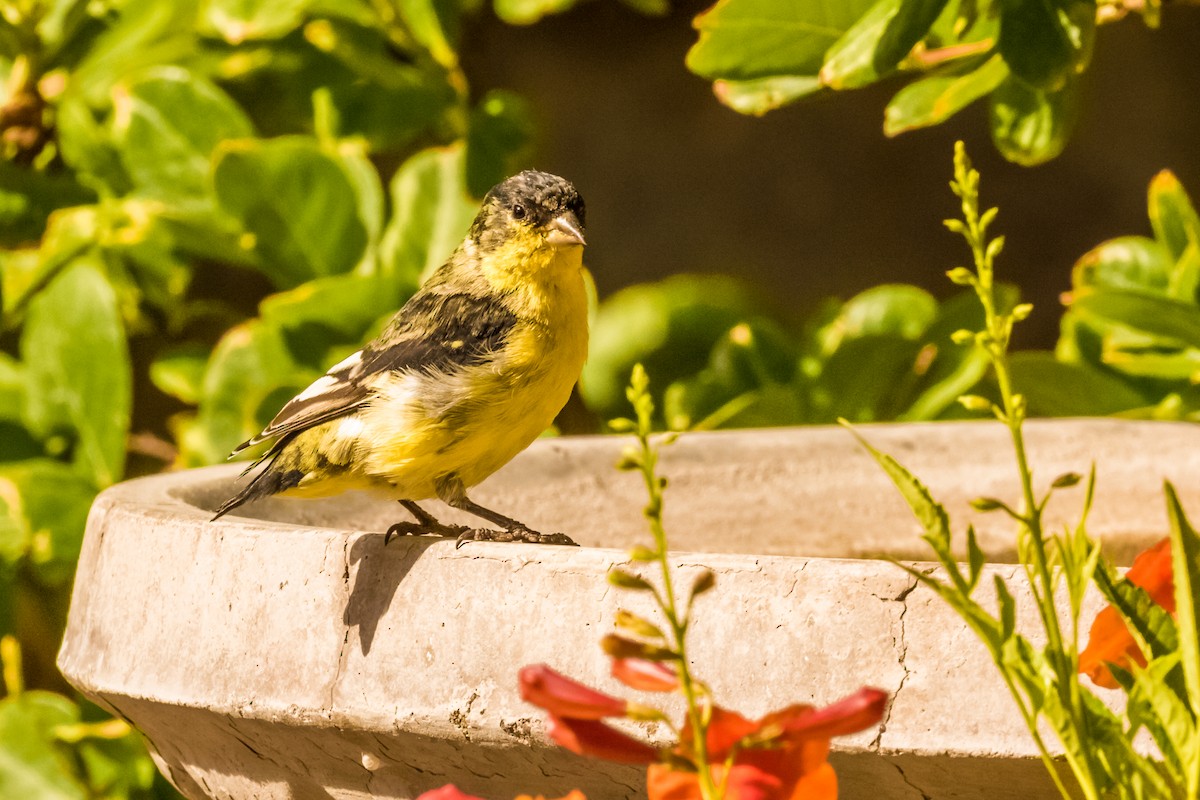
420	427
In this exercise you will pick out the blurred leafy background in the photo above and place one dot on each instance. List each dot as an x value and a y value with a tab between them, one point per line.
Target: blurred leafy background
204	204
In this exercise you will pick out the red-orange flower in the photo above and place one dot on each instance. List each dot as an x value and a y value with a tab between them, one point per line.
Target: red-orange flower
575	714
780	757
647	676
564	697
588	737
1109	640
451	792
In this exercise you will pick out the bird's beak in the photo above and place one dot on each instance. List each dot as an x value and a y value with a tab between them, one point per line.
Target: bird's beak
566	231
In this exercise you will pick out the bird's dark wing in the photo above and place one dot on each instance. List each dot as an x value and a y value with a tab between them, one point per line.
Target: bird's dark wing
434	331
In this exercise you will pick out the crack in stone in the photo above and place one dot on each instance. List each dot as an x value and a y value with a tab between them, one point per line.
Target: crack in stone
909	783
343	651
901	643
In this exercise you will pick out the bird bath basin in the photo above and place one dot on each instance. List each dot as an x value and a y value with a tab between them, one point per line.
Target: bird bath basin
285	652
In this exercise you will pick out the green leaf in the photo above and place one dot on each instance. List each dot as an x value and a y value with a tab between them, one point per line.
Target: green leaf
69	233
15	536
1060	389
758	96
929	512
1008	608
248	365
1174	219
954	370
167	122
74	348
1185	567
179	371
632	623
368	89
1031	126
527	12
650	8
29	196
1167	715
670	326
1158	316
297	202
499	140
975	559
748	39
118	766
16	443
619	647
936	98
1046	42
53	506
851	62
909	26
87	147
146	33
1151	626
1127	262
434	24
431	212
238	21
627	580
32	763
866	379
368	187
330	312
885	310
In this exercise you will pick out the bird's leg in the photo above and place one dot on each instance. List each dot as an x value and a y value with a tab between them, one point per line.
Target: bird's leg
426	523
452	493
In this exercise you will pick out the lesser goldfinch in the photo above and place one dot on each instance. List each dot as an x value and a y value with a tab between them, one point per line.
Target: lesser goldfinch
471	370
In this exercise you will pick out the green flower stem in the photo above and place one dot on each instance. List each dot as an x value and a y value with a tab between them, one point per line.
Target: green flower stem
995	340
648	464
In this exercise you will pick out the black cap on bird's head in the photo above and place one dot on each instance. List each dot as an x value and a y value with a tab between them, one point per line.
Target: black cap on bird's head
536	200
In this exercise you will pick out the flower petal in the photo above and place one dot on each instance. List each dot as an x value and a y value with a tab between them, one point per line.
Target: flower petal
725	729
1151	570
447	792
795	772
564	697
648	676
591	738
1109	640
851	714
664	783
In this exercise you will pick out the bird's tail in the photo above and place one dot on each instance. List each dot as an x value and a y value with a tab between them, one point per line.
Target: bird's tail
270	480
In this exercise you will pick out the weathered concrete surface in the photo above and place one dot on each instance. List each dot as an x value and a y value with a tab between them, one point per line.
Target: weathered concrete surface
288	654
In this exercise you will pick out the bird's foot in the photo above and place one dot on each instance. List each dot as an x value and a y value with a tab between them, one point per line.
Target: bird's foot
421	528
515	534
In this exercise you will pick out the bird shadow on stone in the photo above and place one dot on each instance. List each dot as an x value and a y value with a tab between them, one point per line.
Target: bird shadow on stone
380	568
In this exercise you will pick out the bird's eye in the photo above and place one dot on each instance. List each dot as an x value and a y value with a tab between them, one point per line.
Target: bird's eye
518	211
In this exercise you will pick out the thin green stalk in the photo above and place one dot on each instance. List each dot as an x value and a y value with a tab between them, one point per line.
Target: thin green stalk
647	462
995	340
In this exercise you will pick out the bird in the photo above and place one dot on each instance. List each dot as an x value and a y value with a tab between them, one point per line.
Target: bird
473	368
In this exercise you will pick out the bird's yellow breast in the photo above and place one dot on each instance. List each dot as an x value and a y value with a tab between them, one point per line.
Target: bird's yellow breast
421	427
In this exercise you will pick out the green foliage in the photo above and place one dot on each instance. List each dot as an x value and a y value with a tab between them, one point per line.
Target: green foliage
1024	55
203	198
884	354
1097	743
1132	326
49	751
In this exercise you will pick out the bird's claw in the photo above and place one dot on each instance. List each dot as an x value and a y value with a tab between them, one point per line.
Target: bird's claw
418	529
519	534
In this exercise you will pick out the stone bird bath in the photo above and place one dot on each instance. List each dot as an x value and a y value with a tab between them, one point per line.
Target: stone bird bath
285	652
